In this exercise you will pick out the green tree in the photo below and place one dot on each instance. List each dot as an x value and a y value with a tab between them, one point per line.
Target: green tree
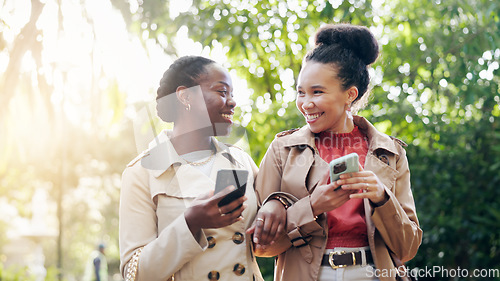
440	74
435	85
58	136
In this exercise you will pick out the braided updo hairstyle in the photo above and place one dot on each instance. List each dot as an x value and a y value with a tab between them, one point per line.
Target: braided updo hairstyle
349	48
185	71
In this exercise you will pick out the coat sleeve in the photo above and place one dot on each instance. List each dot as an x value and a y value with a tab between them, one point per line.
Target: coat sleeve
267	182
301	223
163	253
397	220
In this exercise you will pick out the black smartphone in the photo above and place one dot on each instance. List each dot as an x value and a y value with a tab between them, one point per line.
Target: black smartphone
237	178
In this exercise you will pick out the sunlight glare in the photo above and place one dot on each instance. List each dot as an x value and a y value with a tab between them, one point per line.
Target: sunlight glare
178	7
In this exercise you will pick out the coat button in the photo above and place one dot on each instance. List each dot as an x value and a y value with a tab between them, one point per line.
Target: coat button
213	275
238	238
211	242
239	269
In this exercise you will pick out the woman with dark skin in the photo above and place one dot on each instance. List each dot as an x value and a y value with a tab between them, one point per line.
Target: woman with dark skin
171	224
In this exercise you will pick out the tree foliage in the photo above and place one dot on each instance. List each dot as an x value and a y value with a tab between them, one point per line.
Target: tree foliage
435	85
76	162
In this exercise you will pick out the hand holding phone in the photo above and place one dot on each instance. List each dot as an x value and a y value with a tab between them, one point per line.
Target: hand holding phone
235	177
346	164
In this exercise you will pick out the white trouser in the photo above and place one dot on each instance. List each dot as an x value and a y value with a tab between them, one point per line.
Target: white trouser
362	272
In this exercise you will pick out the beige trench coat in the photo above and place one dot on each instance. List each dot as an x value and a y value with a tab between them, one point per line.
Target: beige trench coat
292	166
157	187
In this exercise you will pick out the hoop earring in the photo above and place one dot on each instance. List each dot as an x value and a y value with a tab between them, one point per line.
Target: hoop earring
188	107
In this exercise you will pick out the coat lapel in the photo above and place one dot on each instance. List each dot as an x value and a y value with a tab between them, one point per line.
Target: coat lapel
304	166
189	182
177	178
296	171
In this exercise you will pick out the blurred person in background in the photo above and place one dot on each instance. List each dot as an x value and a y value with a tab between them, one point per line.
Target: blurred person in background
97	266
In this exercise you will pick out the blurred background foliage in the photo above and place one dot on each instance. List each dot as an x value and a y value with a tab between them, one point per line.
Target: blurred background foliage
435	86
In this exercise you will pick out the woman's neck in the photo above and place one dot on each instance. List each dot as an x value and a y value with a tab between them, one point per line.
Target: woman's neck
185	142
345	126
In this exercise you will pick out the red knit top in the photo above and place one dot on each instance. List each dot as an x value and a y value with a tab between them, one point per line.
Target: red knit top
346	224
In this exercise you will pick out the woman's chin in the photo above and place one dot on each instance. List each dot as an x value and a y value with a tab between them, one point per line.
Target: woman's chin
315	129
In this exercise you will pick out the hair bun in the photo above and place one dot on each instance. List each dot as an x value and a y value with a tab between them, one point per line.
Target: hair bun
358	39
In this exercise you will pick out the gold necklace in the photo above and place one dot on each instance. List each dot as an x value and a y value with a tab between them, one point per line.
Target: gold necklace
202	162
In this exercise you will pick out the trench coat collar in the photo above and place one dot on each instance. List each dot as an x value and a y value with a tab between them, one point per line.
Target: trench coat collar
304	136
161	154
377	139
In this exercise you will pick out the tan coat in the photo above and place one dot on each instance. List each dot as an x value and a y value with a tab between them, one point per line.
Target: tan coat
292	166
157	188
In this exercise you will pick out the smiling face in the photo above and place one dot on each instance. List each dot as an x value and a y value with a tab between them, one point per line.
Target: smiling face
217	88
322	100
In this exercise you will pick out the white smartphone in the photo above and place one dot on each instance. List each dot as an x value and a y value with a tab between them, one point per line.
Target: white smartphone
237	178
346	164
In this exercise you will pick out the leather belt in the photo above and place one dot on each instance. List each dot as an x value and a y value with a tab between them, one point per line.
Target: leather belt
342	259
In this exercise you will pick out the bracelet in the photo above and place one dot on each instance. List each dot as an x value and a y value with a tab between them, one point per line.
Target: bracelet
132	266
282	200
